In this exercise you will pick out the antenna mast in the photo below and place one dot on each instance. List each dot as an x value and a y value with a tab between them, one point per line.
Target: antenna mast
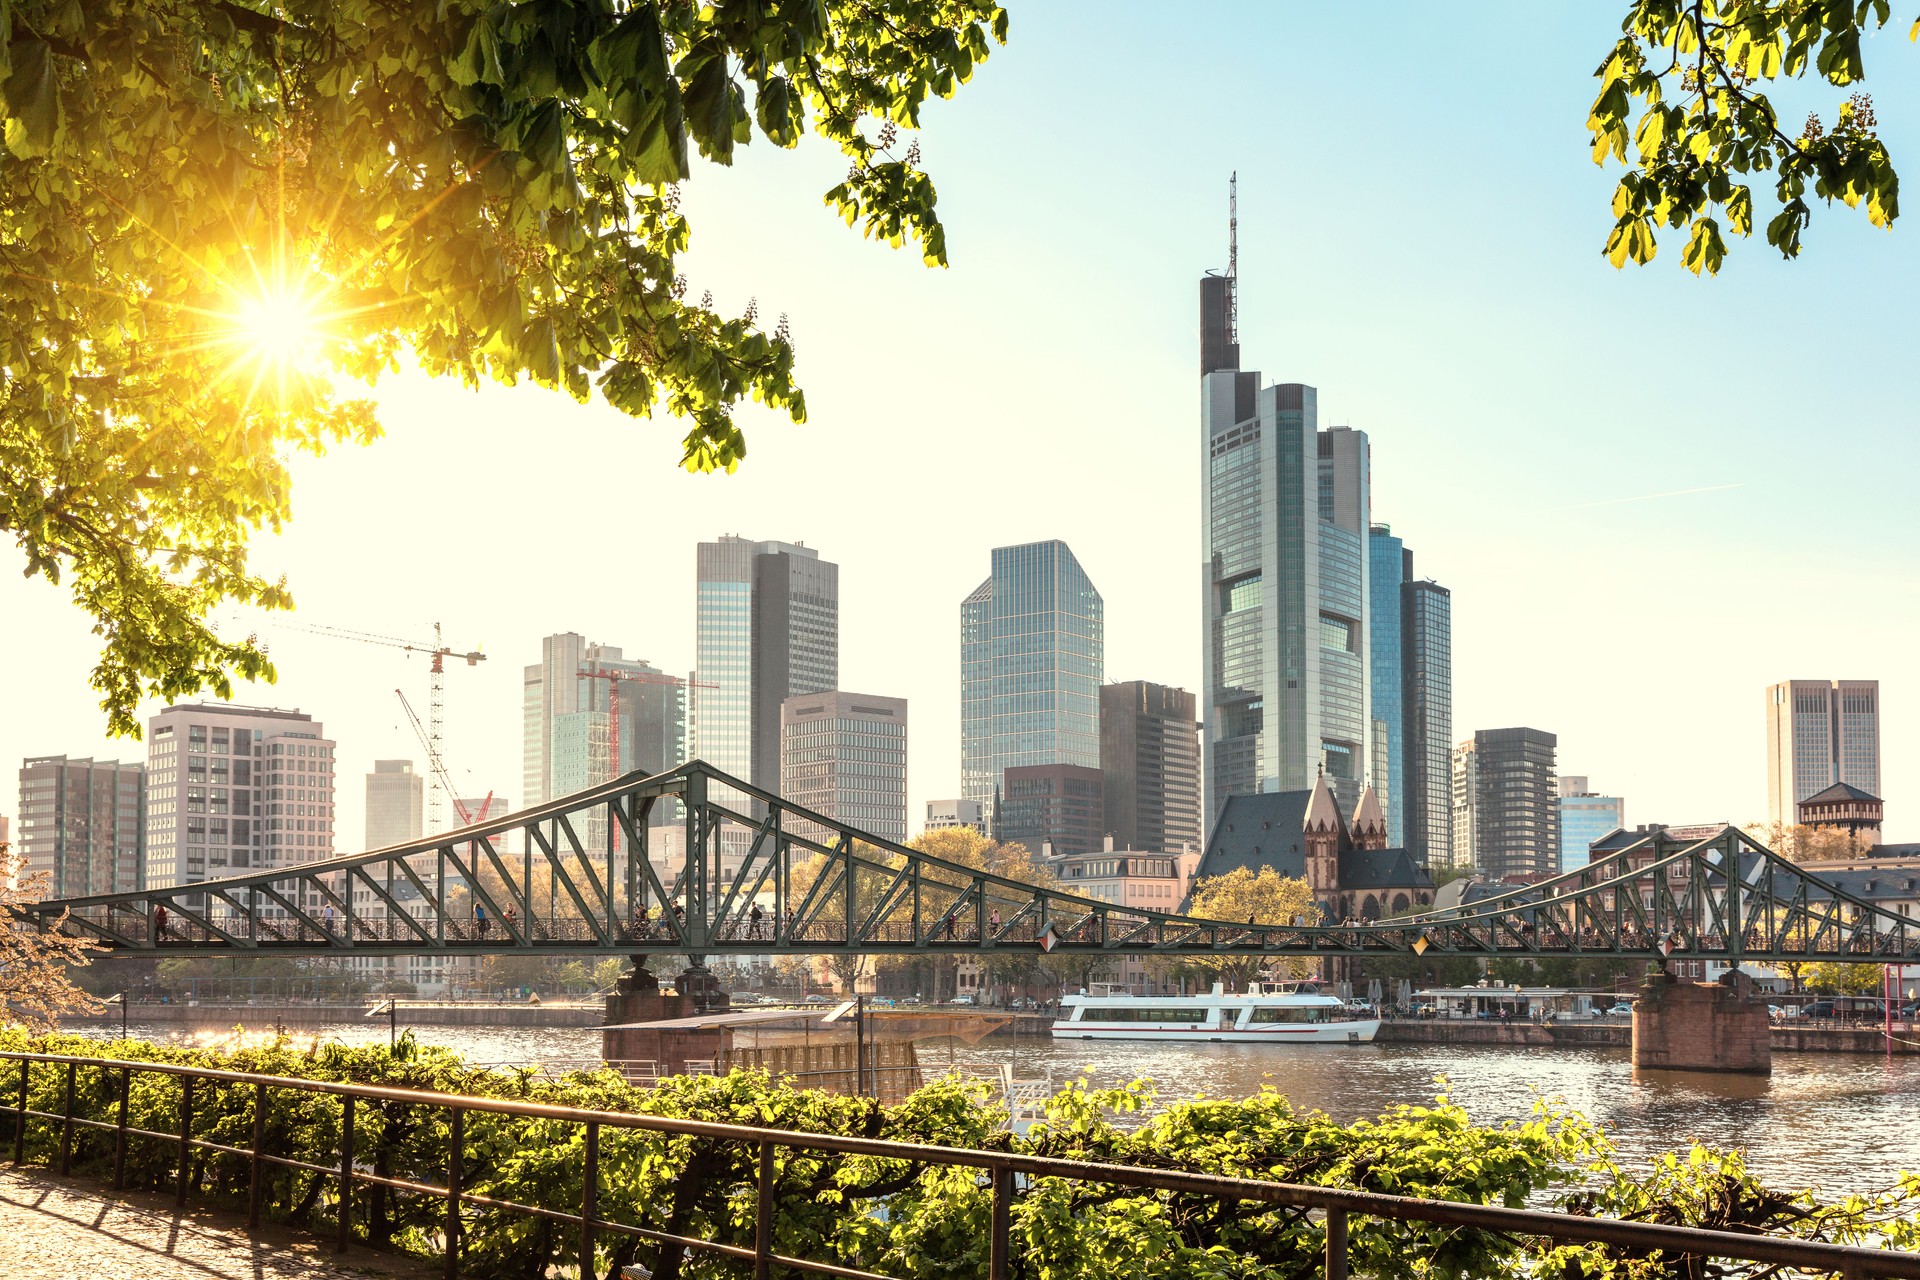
1233	258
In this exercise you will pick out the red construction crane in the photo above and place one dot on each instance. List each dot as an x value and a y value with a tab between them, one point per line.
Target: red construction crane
437	652
439	768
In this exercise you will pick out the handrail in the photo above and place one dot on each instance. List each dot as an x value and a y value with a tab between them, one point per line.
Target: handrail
1845	1260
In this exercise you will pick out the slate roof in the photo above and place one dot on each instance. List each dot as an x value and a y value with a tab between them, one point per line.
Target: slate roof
1363	869
1257	831
1841	791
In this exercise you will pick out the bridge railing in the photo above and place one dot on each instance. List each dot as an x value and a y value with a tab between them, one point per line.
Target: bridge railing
1006	1174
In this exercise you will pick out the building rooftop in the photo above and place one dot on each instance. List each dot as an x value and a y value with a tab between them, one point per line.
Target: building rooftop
1841	791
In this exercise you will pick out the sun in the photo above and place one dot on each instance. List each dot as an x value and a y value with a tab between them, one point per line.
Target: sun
278	327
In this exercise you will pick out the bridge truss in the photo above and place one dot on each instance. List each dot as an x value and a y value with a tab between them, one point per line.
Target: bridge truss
590	873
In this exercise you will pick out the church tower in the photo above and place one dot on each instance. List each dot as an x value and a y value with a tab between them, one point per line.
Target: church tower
1369	824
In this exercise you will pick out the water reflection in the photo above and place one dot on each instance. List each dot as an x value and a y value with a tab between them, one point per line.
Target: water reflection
1838	1122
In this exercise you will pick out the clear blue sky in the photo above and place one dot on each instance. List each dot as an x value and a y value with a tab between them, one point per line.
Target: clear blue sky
1420	236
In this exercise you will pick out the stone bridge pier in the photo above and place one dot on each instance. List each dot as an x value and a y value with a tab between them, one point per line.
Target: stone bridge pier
1702	1026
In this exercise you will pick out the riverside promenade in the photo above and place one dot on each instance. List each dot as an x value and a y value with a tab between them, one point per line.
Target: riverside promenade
54	1226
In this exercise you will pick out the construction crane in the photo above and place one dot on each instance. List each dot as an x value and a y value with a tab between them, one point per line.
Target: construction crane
438	652
439	768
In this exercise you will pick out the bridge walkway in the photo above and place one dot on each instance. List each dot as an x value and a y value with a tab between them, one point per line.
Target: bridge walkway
54	1226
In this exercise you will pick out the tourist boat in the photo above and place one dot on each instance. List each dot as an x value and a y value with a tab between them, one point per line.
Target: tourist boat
1266	1013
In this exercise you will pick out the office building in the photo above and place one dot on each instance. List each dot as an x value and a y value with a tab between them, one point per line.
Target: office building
1820	732
942	814
1388	563
1284	524
1506	804
1150	766
1585	816
1426	711
570	701
1032	655
844	756
233	789
395	804
1056	809
82	825
767	628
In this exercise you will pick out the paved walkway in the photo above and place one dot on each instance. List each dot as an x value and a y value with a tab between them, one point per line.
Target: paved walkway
52	1227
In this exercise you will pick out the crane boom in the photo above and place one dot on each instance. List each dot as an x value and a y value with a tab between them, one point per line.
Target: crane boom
439	766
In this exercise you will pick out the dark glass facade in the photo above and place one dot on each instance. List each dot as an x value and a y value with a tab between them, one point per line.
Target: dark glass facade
1426	689
1387	563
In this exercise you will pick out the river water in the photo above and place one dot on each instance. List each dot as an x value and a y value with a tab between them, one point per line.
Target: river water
1835	1122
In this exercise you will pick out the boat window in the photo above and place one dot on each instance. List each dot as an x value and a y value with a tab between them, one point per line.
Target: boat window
1135	1013
1291	1015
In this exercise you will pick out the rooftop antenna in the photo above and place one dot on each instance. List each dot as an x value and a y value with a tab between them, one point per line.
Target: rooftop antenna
1233	257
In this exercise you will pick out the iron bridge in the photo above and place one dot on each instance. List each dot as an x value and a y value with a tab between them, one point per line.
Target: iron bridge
591	874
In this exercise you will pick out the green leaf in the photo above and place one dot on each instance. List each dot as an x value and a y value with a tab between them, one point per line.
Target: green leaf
1704	250
32	100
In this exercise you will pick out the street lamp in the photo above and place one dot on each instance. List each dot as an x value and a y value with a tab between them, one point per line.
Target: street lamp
121	1000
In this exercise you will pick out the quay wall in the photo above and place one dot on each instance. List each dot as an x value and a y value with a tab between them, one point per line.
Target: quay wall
1786	1039
297	1017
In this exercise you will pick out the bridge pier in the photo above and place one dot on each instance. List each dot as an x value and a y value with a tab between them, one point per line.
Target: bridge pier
638	998
1701	1026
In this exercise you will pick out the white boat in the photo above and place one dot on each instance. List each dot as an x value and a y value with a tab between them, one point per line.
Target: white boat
1266	1013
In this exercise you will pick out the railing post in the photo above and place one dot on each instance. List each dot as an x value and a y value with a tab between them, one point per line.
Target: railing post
186	1136
346	1173
66	1123
20	1120
997	1262
1336	1244
456	1127
763	1216
120	1130
254	1168
589	1199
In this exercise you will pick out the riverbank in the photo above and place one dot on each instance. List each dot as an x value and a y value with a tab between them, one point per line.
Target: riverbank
1585	1035
314	1017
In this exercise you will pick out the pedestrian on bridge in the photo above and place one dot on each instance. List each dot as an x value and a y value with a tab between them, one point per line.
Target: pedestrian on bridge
480	918
753	921
159	922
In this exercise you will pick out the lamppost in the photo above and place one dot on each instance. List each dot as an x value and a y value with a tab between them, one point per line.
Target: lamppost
121	1000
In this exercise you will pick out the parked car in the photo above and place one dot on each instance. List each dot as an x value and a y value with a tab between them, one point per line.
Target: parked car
1622	1009
963	999
1820	1009
818	1000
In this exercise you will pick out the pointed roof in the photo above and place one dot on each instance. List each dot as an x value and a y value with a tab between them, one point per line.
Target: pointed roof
1322	813
1841	791
1366	814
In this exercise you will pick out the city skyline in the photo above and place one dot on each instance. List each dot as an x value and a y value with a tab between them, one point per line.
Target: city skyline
1477	363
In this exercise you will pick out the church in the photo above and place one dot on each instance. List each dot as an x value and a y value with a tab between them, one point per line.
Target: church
1302	834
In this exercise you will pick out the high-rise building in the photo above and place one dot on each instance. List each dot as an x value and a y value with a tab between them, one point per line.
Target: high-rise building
1388	564
1032	656
569	739
1820	732
395	799
1585	817
232	788
1150	766
844	756
942	814
82	825
1506	804
1284	519
1426	713
767	629
1057	808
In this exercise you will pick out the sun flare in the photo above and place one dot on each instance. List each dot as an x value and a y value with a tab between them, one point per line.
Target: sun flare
279	327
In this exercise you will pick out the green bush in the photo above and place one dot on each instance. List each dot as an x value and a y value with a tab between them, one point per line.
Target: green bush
897	1217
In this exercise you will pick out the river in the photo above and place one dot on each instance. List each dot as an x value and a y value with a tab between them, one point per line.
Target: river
1837	1122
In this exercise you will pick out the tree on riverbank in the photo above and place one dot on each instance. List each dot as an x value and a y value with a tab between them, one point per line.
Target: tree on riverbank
1244	896
36	983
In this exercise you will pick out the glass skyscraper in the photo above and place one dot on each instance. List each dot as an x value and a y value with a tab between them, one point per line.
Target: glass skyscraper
1032	658
1426	713
1386	569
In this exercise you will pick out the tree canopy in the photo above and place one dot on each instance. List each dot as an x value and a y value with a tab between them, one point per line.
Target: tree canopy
1686	87
216	214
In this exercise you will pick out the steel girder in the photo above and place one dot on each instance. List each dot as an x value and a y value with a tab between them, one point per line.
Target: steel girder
822	886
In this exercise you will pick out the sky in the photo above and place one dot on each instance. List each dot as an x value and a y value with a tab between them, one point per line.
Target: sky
1650	495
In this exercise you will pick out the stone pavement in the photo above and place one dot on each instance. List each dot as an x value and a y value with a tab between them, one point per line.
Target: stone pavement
53	1228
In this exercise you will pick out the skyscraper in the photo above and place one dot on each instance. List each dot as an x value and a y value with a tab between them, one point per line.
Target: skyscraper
1820	732
844	755
767	629
233	788
1053	808
1504	782
1284	521
82	825
394	804
1585	817
568	704
1150	766
1388	563
1426	711
1032	656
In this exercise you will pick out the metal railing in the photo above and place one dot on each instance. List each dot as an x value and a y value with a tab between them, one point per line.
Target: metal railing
1001	1168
